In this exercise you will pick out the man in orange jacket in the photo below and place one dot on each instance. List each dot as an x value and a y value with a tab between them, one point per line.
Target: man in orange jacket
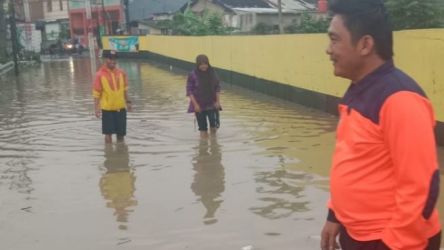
384	178
111	98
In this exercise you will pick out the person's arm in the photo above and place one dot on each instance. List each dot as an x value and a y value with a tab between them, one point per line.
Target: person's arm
407	123
330	231
128	102
217	104
97	92
97	110
191	85
195	104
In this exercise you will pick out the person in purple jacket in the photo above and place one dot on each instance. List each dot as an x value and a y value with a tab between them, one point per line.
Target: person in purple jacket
203	89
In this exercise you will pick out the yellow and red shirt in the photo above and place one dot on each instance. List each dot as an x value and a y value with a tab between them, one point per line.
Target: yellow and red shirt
110	87
384	177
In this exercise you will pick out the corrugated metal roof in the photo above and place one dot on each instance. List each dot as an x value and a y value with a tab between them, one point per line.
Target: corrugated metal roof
293	4
244	3
262	10
256	10
261	6
143	9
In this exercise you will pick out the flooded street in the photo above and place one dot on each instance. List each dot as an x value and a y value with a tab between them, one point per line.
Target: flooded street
260	183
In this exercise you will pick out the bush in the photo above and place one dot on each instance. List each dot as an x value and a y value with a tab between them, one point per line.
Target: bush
308	25
188	24
416	14
263	29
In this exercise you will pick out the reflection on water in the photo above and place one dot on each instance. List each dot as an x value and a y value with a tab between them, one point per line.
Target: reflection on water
280	197
117	183
209	178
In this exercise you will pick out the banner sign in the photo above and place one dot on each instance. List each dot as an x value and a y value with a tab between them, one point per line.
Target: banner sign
124	44
80	4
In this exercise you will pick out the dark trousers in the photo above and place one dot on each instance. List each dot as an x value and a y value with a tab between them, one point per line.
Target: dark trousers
348	243
114	122
211	115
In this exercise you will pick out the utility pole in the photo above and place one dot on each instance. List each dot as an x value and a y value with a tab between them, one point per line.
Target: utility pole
91	45
281	25
14	41
3	33
104	18
127	17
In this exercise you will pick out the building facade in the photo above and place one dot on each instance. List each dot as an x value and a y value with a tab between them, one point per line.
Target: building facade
244	15
107	18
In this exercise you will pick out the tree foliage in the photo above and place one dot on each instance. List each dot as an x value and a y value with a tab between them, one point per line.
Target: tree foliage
308	24
264	28
416	14
305	24
189	24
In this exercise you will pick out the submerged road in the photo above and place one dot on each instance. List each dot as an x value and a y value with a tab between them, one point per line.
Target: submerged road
260	183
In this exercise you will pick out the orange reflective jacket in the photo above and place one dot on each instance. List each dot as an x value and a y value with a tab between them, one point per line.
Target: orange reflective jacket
109	87
384	176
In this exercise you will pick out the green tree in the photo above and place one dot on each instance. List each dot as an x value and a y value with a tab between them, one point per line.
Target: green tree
188	24
416	14
214	24
308	24
264	29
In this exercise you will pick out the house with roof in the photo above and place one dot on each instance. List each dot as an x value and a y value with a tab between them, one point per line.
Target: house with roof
40	23
146	15
153	9
244	15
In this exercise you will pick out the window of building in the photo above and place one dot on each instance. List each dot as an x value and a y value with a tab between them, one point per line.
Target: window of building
61	4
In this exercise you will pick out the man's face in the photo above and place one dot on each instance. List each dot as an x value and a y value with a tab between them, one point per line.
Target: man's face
110	63
343	53
203	66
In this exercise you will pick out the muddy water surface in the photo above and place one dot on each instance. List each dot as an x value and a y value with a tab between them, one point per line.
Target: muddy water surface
261	182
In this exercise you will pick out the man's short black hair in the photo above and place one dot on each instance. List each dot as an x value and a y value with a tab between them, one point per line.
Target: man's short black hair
110	54
366	17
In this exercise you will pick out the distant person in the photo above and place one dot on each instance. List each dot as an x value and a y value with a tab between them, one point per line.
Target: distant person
203	89
52	50
110	91
79	48
384	180
60	47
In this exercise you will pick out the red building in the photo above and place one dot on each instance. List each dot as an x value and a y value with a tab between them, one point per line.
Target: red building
322	6
107	18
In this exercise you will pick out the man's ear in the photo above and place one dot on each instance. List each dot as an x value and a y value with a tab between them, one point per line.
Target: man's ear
366	45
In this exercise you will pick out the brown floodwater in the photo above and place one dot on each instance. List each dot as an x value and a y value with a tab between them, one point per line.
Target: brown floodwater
260	183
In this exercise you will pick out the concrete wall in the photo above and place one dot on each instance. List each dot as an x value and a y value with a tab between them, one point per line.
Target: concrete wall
299	61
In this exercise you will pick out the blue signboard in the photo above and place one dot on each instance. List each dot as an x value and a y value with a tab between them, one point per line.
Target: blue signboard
124	44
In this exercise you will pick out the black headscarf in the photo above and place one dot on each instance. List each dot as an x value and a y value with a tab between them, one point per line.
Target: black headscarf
207	80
